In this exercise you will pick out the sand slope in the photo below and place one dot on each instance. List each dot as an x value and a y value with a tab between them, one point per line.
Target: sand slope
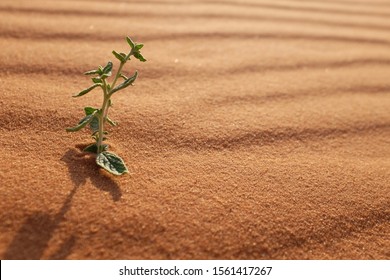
256	130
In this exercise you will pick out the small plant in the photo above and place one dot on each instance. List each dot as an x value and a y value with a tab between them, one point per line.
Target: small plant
97	118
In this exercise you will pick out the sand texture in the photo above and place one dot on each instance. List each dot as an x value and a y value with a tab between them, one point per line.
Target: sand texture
255	130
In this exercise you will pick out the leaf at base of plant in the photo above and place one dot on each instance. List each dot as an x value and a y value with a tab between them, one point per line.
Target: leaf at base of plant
112	163
94	149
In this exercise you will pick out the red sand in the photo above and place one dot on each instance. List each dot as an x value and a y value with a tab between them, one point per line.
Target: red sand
256	130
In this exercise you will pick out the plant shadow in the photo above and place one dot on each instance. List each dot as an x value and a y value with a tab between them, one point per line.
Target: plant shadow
82	166
32	239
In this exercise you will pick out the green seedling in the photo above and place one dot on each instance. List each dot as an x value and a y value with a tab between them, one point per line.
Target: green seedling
97	118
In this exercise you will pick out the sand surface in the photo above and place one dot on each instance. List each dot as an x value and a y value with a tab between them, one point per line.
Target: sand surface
256	130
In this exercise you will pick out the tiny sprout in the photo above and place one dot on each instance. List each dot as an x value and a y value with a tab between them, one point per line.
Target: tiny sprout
96	118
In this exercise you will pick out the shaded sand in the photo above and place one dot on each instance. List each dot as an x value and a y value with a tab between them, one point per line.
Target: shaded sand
256	130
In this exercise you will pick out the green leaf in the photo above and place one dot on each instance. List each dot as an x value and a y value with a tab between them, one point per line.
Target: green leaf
82	123
85	91
97	80
130	42
110	121
89	110
94	149
120	57
125	55
125	84
95	133
139	56
92	72
112	163
138	46
103	76
107	69
94	124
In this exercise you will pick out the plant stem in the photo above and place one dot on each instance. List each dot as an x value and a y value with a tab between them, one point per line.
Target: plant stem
102	119
102	115
118	73
105	106
100	137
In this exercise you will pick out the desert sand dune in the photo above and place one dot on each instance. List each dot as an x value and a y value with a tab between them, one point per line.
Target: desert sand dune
256	130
